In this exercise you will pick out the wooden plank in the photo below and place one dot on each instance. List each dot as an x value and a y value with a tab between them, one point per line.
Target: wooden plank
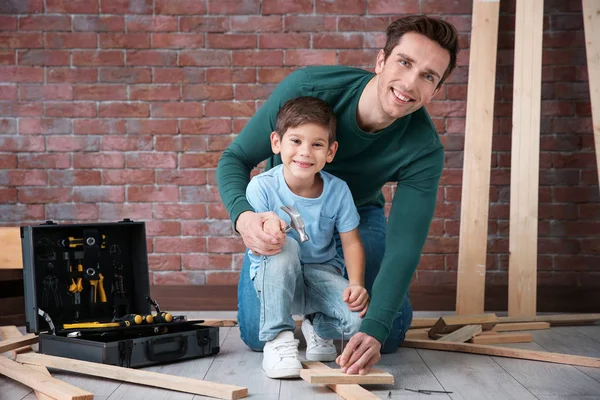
463	334
451	323
177	383
591	23
347	391
42	383
418	323
524	177
503	352
220	322
501	338
521	326
11	344
556	319
336	376
421	333
10	248
475	200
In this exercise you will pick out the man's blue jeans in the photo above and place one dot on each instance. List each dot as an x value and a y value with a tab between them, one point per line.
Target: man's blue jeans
372	233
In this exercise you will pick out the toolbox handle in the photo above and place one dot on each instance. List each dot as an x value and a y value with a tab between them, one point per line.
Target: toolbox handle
168	355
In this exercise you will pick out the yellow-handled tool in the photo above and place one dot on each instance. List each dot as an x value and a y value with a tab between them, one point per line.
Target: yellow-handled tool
97	287
83	325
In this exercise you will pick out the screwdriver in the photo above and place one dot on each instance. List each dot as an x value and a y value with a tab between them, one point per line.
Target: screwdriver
135	319
83	325
163	317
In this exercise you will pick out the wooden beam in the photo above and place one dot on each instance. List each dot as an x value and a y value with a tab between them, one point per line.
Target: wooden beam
42	383
11	344
525	160
591	23
521	326
475	200
148	378
220	322
556	319
421	333
10	245
418	323
461	335
451	323
501	338
336	376
556	358
348	392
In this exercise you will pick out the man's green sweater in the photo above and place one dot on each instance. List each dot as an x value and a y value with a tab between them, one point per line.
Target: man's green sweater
408	152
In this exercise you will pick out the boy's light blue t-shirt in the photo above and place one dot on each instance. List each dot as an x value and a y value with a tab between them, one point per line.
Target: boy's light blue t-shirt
333	209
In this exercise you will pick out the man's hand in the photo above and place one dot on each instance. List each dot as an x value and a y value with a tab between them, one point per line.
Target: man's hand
250	226
357	298
361	353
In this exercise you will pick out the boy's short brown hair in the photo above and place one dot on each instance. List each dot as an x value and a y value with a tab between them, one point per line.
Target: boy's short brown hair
306	110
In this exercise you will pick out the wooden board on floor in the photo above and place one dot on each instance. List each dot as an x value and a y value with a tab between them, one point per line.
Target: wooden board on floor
336	376
524	177
521	326
10	248
461	335
347	391
472	246
555	319
15	343
500	338
451	323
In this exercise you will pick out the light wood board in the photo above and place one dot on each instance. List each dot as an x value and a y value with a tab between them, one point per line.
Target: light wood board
10	248
336	376
591	22
461	335
521	326
501	338
347	391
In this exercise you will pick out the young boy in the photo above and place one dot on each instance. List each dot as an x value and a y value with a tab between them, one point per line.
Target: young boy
307	278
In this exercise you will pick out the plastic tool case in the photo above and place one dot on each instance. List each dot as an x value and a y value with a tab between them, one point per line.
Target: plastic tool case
91	274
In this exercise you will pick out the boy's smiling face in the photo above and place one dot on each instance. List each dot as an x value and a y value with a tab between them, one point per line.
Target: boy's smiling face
304	150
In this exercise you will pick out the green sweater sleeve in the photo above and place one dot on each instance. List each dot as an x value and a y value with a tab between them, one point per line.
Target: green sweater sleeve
412	210
253	145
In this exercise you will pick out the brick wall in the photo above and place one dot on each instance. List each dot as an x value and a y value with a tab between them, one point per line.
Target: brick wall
121	108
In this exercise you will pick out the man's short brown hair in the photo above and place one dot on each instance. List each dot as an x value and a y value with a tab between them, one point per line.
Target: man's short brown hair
437	30
306	110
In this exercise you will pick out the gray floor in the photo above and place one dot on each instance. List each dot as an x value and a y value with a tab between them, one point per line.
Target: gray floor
467	376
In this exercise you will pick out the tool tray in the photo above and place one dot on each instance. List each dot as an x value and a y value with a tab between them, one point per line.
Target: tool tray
98	274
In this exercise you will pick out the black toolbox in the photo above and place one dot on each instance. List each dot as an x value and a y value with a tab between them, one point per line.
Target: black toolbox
96	277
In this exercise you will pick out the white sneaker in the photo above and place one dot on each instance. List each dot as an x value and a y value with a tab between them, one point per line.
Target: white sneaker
317	349
280	357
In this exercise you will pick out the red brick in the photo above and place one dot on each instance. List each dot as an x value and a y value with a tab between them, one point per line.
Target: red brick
20	212
206	261
8	57
306	23
154	92
431	262
231	75
100	92
125	75
157	23
230	41
44	161
73	178
163	228
239	124
135	110
287	7
46	92
71	75
374	40
222	278
99	194
23	178
9	92
199	160
310	57
177	41
180	211
180	7
126	6
70	109
151	57
364	24
8	161
589	211
217	211
8	23
559	246
76	212
218	143
577	263
239	7
204	58
207	92
98	58
171	262
178	75
256	24
8	195
152	194
44	195
284	40
151	127
226	245
73	144
577	160
45	23
125	40
151	160
393	7
21	40
253	92
176	110
447	7
346	7
13	109
199	194
179	278
99	126
182	178
258	58
43	57
583	109
180	143
204	24
21	143
337	41
549	177
447	108
572	125
8	126
358	57
273	75
128	177
46	126
120	143
110	23
590	246
229	109
72	6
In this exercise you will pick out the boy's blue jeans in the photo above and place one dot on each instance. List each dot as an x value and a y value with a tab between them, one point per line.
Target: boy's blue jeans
285	286
372	233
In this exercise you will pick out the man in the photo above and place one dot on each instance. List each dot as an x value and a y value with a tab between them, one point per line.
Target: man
384	135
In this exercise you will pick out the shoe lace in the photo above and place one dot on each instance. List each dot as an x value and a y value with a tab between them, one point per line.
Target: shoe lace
318	341
287	349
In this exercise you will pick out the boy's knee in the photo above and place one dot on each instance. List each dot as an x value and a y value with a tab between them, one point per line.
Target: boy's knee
353	324
289	256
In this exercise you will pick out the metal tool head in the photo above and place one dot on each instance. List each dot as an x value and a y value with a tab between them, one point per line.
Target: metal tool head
296	222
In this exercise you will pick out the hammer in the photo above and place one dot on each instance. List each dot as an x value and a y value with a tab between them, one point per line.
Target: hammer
296	222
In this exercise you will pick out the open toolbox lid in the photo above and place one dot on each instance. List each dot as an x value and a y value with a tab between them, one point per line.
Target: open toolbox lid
84	272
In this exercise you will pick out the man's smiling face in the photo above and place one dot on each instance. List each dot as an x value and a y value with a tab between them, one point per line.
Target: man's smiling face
409	78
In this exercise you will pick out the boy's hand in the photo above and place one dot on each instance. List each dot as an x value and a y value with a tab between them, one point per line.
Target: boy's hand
250	226
357	298
274	226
